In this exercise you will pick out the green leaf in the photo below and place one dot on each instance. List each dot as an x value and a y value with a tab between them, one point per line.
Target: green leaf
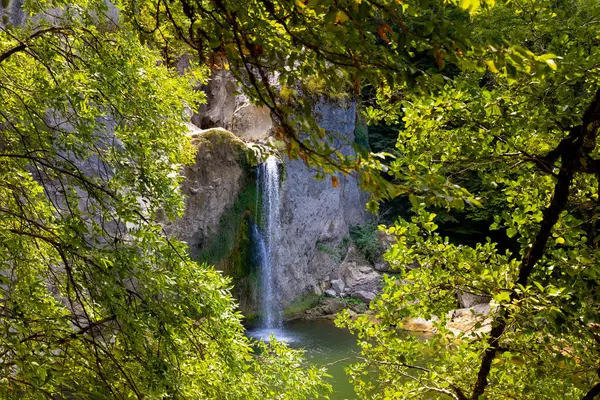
551	64
502	297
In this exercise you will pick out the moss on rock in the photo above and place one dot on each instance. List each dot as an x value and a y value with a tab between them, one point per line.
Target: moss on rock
301	304
215	140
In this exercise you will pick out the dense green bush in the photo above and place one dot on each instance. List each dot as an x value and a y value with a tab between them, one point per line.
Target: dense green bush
365	238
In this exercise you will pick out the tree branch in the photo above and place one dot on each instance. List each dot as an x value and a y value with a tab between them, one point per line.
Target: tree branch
23	44
572	151
592	393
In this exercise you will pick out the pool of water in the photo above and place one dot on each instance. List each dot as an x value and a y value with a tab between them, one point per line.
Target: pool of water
325	345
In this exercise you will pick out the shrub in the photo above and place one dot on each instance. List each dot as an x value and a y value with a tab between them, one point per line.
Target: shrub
366	240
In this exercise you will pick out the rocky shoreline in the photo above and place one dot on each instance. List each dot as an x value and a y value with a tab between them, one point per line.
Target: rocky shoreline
468	320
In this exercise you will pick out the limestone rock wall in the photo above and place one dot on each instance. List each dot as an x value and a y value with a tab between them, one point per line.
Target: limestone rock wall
315	216
210	187
11	13
227	108
220	192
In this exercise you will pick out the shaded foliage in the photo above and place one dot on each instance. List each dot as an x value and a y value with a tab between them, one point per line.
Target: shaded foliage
366	239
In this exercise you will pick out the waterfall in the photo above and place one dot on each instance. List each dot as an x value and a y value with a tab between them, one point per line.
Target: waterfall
267	244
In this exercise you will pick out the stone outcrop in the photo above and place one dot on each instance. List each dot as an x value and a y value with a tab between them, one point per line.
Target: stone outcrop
356	278
228	108
220	199
211	186
315	216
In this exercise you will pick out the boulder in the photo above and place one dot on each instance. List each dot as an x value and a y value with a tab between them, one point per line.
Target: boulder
418	325
381	266
365	296
360	308
333	306
338	286
360	277
468	299
470	320
386	239
330	292
211	186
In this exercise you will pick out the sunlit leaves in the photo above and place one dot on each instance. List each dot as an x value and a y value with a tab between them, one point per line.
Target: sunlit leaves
520	90
96	301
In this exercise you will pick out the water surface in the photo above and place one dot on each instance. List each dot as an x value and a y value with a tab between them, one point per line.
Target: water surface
325	345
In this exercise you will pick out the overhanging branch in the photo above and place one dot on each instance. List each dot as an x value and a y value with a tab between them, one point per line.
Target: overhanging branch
24	44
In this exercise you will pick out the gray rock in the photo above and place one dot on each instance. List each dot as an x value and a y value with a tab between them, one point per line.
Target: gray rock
367	297
382	266
468	299
360	277
228	108
338	286
330	292
211	186
13	14
365	269
359	308
333	306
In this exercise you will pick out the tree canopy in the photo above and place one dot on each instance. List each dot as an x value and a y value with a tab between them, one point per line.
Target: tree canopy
529	140
97	302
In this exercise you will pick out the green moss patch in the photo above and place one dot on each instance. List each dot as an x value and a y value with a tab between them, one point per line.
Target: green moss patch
229	247
302	303
221	141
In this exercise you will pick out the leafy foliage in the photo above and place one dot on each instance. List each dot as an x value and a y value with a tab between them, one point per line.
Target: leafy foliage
366	239
95	301
530	138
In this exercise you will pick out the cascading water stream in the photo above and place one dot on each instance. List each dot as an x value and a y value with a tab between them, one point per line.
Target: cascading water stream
267	244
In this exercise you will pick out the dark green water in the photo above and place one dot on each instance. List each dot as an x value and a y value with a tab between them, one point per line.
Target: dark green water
325	345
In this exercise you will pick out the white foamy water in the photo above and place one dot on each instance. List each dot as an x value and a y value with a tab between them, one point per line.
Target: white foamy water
267	244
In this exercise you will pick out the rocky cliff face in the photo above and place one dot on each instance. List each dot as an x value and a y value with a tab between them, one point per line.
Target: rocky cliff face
315	217
11	13
220	191
211	186
229	109
222	200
